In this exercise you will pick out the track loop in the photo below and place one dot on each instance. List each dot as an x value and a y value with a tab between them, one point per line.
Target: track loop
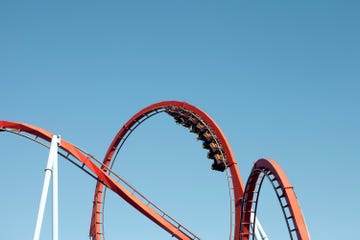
213	139
268	168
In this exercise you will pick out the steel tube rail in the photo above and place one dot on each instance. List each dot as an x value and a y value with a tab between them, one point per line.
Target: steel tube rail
103	176
243	200
238	186
286	195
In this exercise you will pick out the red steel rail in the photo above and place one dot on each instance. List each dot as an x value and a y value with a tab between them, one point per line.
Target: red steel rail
285	193
107	180
245	199
173	106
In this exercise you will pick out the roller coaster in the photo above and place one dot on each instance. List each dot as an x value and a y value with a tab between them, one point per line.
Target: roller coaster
244	224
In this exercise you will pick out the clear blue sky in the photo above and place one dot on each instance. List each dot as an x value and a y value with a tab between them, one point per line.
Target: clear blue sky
281	78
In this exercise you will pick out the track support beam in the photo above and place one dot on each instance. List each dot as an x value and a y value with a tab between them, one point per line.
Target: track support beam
51	169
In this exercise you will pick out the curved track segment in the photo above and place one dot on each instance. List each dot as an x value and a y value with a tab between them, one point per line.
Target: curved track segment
291	209
198	122
34	133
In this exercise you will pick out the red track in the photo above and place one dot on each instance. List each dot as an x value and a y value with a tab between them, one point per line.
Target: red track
244	201
286	195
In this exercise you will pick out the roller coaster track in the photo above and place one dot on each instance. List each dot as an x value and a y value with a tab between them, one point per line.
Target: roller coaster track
207	130
243	199
268	168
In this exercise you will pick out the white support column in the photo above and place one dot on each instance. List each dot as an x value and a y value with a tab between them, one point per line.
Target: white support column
55	192
48	172
258	229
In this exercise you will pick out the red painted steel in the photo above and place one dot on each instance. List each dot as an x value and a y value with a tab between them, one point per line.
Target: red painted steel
95	227
270	166
242	211
102	175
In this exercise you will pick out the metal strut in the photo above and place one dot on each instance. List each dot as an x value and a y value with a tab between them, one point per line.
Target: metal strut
51	169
